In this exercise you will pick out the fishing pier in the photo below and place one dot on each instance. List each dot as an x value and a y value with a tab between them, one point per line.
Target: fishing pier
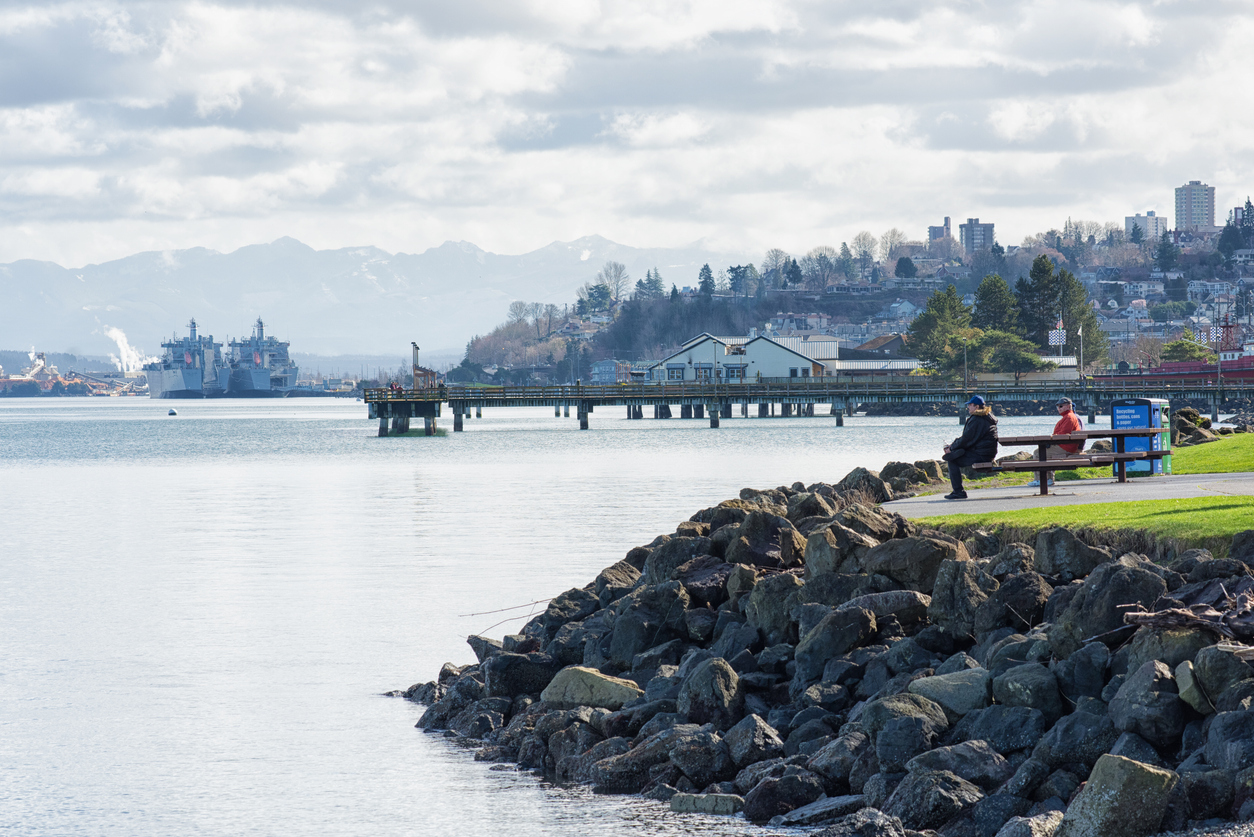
792	397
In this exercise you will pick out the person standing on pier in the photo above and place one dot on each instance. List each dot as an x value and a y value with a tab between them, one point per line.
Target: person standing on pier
978	443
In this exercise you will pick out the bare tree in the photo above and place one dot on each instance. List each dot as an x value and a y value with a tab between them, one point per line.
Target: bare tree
614	276
535	313
864	245
890	243
518	311
819	267
944	248
774	263
551	313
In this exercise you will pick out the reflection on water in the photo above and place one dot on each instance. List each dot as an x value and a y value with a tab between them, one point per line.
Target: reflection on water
199	612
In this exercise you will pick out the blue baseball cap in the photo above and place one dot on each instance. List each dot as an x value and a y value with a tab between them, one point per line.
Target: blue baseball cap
977	401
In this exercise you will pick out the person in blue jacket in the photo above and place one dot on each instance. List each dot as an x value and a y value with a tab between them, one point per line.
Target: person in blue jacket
978	443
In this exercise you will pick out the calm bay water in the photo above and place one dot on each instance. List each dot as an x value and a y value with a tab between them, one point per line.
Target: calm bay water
198	613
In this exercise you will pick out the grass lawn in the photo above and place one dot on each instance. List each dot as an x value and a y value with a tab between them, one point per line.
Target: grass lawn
1208	522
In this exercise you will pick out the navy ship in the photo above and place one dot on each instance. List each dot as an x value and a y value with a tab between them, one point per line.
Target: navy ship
190	367
260	366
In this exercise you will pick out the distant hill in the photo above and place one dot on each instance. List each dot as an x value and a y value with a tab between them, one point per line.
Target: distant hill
355	300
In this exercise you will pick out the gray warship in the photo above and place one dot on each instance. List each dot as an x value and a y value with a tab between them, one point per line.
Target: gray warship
260	366
190	367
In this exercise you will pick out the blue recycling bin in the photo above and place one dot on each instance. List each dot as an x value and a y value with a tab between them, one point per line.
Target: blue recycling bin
1143	412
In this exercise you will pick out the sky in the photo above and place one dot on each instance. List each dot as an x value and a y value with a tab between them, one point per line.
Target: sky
740	124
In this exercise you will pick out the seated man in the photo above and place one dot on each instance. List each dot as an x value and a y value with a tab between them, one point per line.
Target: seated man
1068	422
978	443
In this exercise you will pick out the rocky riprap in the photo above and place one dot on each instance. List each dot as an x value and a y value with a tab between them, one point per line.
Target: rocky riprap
800	659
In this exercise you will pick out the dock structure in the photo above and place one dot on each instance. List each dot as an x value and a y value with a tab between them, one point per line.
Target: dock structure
784	398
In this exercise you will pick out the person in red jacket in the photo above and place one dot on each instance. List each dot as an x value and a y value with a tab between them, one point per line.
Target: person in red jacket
1068	422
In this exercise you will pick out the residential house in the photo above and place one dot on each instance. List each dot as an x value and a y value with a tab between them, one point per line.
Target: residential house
891	345
902	309
611	372
1199	290
1147	288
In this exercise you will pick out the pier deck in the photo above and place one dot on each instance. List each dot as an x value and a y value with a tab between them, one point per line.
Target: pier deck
795	396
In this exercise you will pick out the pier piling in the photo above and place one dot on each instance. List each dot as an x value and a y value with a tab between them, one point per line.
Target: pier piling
457	422
714	415
840	419
429	425
383	427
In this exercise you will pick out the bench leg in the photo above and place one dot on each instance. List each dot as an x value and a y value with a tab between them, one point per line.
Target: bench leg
1045	475
1123	471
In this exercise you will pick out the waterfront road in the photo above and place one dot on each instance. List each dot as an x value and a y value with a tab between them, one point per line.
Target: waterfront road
1078	492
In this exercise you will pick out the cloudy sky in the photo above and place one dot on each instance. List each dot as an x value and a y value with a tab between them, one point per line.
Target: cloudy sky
746	124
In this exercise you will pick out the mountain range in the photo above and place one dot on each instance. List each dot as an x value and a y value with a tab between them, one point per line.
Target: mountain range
327	302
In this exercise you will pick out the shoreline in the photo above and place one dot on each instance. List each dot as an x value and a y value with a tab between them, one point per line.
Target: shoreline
800	657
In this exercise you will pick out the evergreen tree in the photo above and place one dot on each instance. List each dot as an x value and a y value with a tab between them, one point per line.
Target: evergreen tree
705	281
845	264
1166	254
1137	235
943	322
905	268
995	306
657	289
793	273
674	294
1047	296
1247	223
1230	240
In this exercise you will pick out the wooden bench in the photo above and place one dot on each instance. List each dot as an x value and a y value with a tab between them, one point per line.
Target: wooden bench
1044	465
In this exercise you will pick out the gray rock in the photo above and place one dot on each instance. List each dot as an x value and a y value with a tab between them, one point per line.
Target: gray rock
712	694
869	822
773	797
578	686
960	693
615	581
766	540
869	482
662	562
1060	784
1013	558
1042	825
1210	793
1148	704
574	741
960	661
1217	670
906	656
1031	685
874	522
1079	738
484	647
1027	778
877	713
767	609
629	772
1132	746
577	769
650	616
901	740
1172	646
718	804
915	561
1061	554
961	587
1098	605
1191	691
824	810
879	787
1005	728
753	740
808	737
509	675
989	815
975	761
908	606
835	760
1122	798
571	606
704	758
836	634
836	549
931	798
1083	674
1018	603
1230	740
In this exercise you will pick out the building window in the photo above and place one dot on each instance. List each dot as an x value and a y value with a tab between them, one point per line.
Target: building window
676	374
703	373
735	373
805	373
793	373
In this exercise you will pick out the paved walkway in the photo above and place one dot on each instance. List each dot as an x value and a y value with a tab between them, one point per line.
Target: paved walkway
1078	492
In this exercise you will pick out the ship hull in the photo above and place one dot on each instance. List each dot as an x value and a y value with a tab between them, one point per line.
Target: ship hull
175	383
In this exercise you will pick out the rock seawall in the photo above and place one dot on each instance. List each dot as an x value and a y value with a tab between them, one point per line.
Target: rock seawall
802	657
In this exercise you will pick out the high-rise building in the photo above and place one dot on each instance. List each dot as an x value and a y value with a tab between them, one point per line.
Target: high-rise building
1152	226
937	233
1195	206
975	236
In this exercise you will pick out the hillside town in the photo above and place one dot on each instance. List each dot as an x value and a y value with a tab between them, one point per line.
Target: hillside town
1147	284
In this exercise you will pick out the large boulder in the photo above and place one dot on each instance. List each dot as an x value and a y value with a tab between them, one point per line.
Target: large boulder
752	740
869	822
1079	738
915	561
776	796
835	634
824	810
1018	603
975	761
1230	740
907	606
960	692
836	759
572	606
1097	607
662	562
1005	728
766	540
1149	705
1169	645
579	686
629	772
1060	554
874	522
961	587
1218	669
767	608
877	713
1122	798
900	740
712	694
704	758
836	549
867	482
1031	685
651	615
1041	825
510	675
615	581
931	798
